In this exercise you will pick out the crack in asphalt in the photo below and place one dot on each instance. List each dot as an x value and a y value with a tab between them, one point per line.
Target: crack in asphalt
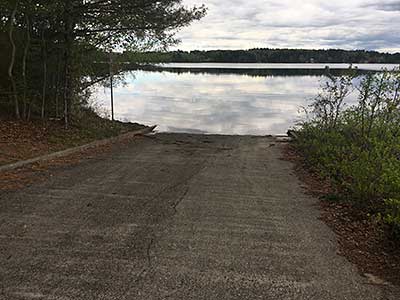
153	241
175	205
149	250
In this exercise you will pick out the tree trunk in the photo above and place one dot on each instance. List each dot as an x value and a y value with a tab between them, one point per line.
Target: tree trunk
67	83
68	27
44	57
57	85
24	60
12	60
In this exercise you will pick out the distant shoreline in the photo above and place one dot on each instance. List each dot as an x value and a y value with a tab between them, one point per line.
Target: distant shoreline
277	66
265	55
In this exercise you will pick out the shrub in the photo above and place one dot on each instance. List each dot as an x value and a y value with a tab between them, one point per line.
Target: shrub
392	217
357	147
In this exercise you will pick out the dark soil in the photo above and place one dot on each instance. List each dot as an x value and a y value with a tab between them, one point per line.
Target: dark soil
362	240
21	140
42	171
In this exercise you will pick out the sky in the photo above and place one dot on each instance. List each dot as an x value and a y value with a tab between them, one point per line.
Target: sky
319	24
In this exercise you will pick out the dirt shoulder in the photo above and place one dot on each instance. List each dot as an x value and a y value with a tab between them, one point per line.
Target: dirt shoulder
21	140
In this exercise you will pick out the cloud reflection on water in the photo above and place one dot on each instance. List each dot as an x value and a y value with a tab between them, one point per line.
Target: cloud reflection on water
210	103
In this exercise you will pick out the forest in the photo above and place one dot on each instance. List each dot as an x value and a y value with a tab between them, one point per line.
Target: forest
266	56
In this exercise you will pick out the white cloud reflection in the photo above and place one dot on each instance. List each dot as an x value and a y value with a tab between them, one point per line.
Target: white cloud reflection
222	104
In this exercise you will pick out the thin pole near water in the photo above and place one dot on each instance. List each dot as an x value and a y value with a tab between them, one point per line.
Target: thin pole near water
112	88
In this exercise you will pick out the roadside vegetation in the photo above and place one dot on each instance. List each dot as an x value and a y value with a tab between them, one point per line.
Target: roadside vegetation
356	145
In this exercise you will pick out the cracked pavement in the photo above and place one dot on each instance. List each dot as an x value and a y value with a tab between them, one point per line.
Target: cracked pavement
174	216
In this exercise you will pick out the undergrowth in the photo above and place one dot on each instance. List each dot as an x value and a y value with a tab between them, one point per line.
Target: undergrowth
357	147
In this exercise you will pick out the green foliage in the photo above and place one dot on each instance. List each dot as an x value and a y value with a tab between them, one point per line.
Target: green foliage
392	216
56	43
358	147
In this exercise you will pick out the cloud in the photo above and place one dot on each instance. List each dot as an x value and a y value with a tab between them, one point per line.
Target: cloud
393	5
243	24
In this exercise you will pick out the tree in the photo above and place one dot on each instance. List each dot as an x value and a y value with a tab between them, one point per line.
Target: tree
120	24
74	29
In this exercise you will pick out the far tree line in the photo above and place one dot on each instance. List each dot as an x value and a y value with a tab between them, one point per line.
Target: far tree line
267	56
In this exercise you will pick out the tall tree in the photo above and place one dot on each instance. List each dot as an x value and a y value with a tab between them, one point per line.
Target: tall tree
71	30
121	24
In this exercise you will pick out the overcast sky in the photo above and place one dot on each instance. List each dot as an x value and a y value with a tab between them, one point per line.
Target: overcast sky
244	24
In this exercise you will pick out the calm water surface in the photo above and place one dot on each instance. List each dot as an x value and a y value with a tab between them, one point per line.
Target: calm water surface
213	100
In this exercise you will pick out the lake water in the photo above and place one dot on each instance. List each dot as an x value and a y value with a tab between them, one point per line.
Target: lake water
219	98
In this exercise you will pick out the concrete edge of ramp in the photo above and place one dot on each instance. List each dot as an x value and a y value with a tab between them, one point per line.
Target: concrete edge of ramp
54	155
